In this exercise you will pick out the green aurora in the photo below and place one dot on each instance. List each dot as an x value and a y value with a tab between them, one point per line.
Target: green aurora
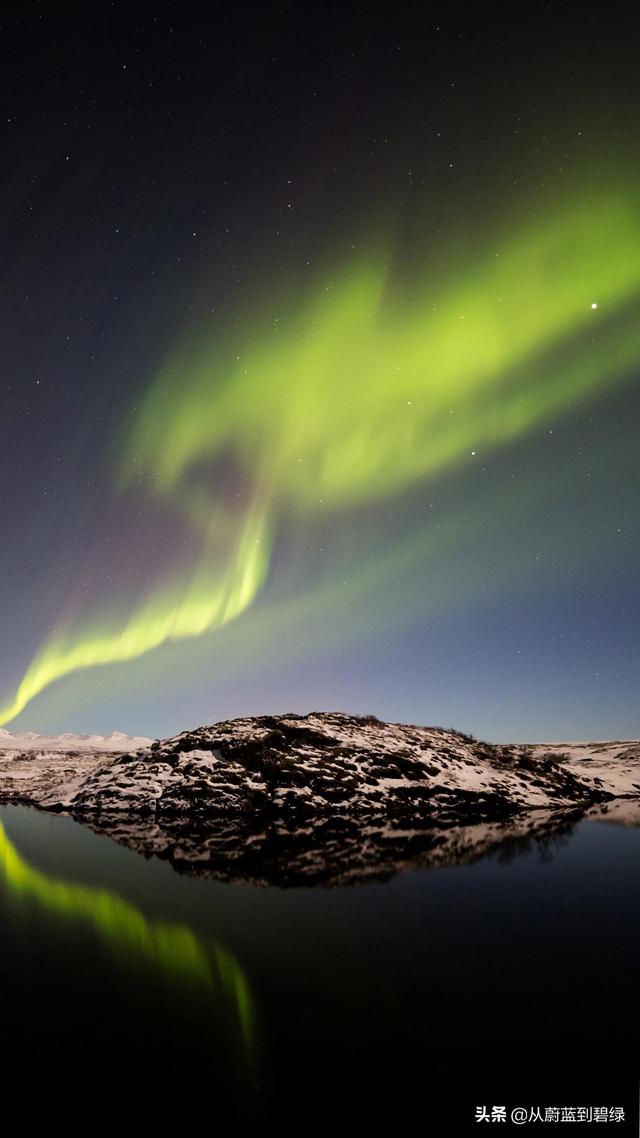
171	949
353	397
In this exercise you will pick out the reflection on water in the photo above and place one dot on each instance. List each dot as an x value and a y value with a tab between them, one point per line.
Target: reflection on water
188	966
506	970
327	851
171	949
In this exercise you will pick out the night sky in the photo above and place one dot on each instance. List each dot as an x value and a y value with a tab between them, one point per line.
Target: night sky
320	356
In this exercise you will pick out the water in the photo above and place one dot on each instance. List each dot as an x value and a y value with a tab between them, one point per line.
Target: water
133	993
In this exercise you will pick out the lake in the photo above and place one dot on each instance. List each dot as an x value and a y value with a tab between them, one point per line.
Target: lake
134	994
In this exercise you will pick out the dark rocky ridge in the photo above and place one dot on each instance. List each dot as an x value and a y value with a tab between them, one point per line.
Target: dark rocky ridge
296	766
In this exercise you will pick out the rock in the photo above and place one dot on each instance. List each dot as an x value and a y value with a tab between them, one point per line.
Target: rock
329	763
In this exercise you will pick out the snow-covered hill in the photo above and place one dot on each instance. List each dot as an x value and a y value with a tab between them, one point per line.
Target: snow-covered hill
35	767
294	766
325	763
116	742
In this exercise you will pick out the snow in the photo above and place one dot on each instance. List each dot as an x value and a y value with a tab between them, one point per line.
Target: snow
325	763
30	741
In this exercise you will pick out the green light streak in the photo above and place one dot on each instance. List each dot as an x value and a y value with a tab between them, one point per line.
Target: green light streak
349	404
208	600
356	397
172	949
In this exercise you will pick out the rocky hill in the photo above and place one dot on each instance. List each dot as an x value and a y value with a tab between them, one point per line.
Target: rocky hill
297	766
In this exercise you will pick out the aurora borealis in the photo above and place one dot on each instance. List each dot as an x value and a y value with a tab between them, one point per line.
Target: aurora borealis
342	417
169	949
